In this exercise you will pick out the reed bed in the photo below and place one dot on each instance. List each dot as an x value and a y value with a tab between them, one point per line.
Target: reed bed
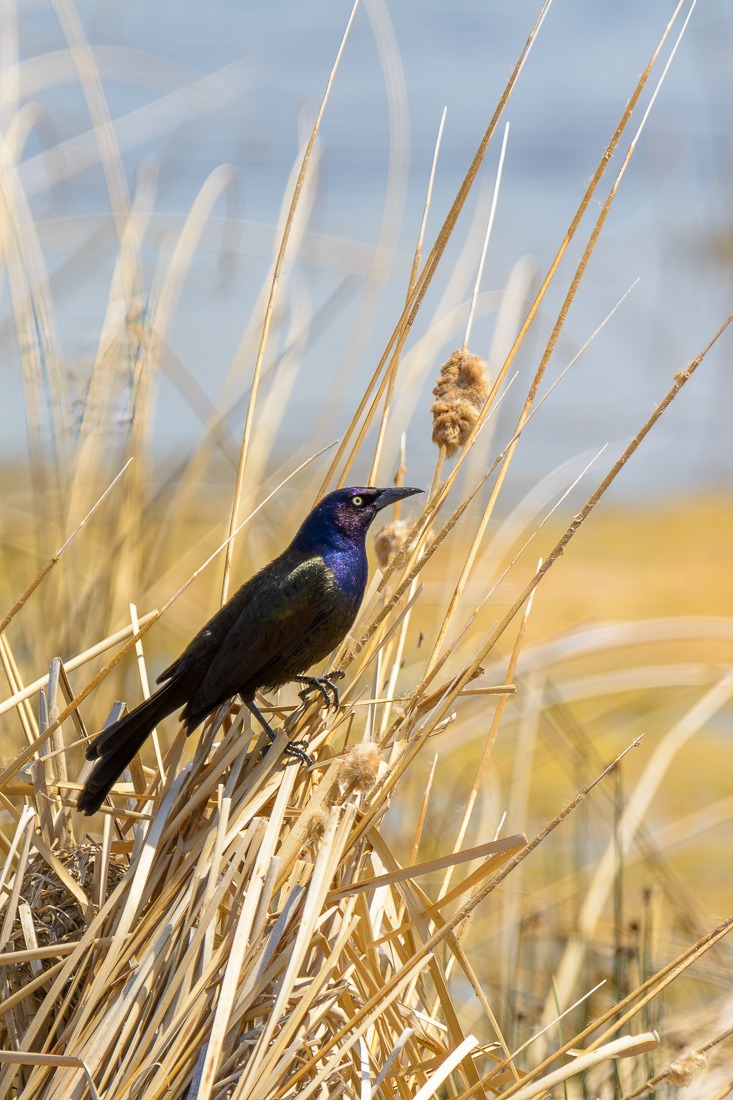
236	925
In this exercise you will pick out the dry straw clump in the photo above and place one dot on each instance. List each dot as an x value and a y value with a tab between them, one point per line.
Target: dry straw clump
460	394
49	919
246	951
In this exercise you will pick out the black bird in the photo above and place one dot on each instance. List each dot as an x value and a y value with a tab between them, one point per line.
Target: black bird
286	618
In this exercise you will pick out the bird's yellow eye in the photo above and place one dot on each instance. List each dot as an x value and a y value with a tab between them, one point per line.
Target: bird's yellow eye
358	501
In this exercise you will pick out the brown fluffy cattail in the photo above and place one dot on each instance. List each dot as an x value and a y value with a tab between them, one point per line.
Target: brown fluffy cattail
360	767
682	1072
461	391
389	540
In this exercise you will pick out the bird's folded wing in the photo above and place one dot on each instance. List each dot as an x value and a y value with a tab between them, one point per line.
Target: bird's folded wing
268	632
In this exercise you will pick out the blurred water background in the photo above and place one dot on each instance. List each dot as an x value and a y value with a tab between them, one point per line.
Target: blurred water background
193	86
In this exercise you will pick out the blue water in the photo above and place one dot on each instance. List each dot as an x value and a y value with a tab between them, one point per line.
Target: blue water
270	63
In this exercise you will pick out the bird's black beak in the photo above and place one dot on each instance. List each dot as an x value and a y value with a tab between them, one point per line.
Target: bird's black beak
390	496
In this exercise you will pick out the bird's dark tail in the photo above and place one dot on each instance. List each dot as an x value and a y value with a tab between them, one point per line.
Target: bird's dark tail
115	746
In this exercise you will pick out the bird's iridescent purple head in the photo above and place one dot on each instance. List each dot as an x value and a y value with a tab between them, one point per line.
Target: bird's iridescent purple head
347	513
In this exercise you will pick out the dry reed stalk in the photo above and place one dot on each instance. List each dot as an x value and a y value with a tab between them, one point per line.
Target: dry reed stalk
93	1053
420	823
422	953
32	304
393	209
416	551
564	309
435	666
394	366
75	662
441	706
102	128
405	321
463	384
270	307
400	333
10	668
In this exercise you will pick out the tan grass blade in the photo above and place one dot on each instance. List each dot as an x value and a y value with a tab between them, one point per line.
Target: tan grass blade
454	859
421	954
378	13
487	238
488	745
22	1059
445	1070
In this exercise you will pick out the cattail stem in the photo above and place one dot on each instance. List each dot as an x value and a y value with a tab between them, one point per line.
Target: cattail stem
394	365
484	250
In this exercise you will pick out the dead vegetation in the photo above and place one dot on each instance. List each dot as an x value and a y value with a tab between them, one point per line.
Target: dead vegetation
235	926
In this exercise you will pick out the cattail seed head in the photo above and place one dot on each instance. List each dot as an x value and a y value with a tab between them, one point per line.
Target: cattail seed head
461	391
389	540
360	767
684	1069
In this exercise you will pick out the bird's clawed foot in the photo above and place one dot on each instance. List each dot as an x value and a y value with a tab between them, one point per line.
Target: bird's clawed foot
324	684
293	748
297	749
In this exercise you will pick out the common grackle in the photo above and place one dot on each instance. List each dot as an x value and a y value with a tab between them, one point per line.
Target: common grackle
280	622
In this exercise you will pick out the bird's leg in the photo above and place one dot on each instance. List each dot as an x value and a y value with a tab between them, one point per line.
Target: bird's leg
293	748
324	684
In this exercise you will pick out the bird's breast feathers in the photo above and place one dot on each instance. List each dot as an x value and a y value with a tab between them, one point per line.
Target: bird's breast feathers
345	572
319	585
